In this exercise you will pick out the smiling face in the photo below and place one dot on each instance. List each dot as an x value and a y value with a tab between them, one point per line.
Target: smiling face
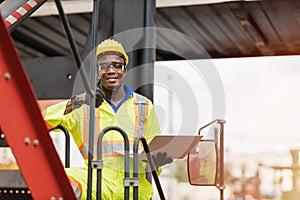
111	78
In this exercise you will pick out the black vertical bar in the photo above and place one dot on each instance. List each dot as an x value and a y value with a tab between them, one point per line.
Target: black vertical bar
92	99
147	74
67	148
67	145
136	166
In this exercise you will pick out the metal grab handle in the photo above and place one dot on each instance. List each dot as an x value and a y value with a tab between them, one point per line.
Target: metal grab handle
220	121
67	146
99	159
152	167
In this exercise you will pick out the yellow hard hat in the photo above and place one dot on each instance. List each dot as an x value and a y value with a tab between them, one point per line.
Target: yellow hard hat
111	45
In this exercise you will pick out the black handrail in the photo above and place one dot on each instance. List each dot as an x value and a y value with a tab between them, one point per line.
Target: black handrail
67	144
99	159
151	163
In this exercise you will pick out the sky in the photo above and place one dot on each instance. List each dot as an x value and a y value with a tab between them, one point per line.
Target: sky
260	99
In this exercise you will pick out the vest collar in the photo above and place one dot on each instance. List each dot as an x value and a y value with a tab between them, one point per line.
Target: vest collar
129	92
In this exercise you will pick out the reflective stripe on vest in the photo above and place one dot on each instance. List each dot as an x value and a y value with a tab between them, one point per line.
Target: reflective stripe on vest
76	186
109	150
141	113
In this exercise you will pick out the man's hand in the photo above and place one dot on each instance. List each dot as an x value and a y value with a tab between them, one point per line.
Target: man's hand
161	159
75	102
99	98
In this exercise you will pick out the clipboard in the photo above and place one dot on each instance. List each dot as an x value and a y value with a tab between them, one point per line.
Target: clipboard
176	146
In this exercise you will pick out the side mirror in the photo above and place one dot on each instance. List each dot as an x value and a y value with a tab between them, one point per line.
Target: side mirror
203	164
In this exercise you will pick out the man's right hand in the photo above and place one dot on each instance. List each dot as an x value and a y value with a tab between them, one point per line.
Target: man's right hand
75	102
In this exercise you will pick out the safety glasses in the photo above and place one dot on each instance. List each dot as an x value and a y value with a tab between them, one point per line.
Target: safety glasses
115	65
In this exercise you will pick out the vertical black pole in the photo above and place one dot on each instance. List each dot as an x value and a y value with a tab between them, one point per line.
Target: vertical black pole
67	144
92	99
147	74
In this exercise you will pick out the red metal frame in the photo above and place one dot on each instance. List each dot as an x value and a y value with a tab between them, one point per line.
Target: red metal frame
24	128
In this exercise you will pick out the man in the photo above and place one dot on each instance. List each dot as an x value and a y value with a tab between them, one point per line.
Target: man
116	105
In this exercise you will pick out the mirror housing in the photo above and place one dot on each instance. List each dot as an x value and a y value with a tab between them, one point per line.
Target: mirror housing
203	164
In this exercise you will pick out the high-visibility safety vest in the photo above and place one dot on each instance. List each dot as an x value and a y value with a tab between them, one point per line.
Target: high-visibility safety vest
136	116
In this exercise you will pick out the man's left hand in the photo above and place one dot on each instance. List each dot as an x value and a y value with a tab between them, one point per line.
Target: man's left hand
161	159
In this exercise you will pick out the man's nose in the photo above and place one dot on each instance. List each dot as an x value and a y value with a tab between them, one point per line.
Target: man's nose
110	69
